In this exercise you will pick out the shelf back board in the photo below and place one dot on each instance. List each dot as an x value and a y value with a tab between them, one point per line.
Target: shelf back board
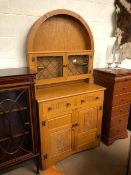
60	30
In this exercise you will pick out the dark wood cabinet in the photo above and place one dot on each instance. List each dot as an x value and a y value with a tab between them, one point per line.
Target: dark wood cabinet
18	120
129	160
117	102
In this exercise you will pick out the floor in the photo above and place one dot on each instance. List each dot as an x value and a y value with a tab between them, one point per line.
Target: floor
104	160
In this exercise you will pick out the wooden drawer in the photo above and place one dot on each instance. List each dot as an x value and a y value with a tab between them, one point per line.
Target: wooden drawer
120	110
59	122
122	87
56	106
118	121
121	99
118	130
90	99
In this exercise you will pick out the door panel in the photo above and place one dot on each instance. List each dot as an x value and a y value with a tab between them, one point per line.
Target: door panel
87	119
59	142
16	133
86	138
59	138
88	123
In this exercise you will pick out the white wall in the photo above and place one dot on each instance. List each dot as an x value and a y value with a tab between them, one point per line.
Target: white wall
17	17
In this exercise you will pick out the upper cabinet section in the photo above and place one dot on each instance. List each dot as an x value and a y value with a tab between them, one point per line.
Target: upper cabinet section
60	47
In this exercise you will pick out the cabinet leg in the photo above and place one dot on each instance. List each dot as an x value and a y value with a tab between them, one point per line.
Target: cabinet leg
37	166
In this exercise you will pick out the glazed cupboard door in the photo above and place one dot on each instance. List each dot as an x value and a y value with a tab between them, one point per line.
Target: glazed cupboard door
49	67
89	124
79	65
55	67
58	138
16	140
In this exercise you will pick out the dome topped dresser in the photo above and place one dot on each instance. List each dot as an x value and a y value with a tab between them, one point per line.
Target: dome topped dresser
60	50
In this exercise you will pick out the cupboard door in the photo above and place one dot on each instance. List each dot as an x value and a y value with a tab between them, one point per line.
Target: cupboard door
78	64
88	121
58	143
16	139
50	67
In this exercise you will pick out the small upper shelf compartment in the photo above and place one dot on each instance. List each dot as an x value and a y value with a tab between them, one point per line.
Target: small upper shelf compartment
60	47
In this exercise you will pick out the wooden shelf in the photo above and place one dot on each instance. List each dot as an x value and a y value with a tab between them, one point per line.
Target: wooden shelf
15	136
80	64
69	51
14	110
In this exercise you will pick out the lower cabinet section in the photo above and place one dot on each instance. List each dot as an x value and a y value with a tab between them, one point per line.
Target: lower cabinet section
68	126
68	133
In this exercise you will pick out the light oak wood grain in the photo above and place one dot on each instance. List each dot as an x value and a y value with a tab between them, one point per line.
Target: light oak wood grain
60	49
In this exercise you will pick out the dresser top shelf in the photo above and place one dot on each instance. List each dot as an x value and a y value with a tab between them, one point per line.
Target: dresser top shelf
115	72
60	48
56	92
16	72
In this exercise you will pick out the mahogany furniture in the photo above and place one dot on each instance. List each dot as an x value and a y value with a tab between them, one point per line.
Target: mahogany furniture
60	50
129	120
129	160
18	120
117	102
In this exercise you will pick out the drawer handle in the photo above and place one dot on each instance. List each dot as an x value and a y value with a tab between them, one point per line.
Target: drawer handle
68	104
97	98
27	123
82	101
122	99
98	136
121	110
120	120
126	79
124	88
49	109
64	65
75	125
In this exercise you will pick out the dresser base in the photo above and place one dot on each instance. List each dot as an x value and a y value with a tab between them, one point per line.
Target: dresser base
109	141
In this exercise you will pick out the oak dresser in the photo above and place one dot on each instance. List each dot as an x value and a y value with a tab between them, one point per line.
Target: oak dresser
60	50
